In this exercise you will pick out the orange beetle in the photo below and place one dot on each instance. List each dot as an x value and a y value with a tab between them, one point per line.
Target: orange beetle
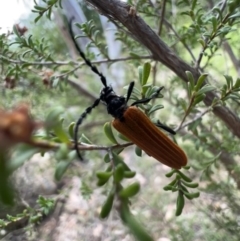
133	123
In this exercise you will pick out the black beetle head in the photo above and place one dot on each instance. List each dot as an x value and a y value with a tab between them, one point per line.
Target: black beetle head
116	105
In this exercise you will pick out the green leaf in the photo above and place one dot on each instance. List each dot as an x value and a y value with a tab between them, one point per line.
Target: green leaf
191	196
191	185
229	81
205	89
194	125
107	206
37	7
191	79
200	81
116	158
198	99
136	229
62	152
189	90
84	139
202	42
145	73
170	173
109	133
129	174
71	129
235	15
214	23
167	188
186	167
184	177
130	191
107	158
7	192
53	116
60	133
118	173
16	31
180	203
25	53
140	74
138	151
124	138
61	168
174	182
194	2
134	55
155	108
22	154
104	175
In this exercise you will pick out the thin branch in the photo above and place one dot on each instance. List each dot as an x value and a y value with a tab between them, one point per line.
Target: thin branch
47	145
194	119
81	90
22	61
162	17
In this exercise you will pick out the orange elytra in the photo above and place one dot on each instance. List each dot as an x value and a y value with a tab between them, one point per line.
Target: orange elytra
138	128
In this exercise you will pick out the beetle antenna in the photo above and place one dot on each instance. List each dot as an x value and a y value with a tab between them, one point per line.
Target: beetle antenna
130	89
87	61
79	122
164	127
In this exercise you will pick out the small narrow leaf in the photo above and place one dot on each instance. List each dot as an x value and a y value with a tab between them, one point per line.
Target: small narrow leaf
61	169
60	133
170	173
138	151
198	99
180	203
214	23
205	89
167	188
129	174
71	129
135	228
191	196
184	177
191	185
200	81
109	133
191	79
146	72
229	81
84	139
118	173
107	206
140	74
130	191
155	108
104	175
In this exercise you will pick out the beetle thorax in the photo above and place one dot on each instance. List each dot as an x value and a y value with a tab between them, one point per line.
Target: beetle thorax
116	105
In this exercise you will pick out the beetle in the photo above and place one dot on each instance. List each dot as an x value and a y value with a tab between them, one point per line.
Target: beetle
132	122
